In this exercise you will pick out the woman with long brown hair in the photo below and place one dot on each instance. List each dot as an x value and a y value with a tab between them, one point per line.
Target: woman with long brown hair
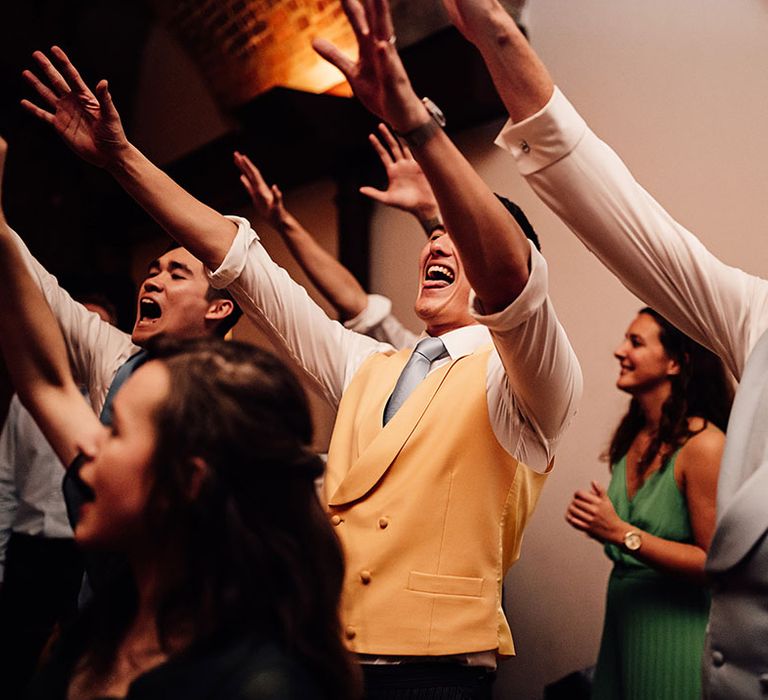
204	485
657	516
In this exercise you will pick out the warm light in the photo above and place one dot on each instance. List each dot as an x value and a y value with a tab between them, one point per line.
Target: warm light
246	47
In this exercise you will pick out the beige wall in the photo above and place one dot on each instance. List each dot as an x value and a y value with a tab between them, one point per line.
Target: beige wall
680	90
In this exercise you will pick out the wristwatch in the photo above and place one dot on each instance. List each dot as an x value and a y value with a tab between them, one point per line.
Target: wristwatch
421	134
632	540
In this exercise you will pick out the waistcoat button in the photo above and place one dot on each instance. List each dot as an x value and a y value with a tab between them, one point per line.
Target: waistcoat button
365	576
336	520
350	632
717	658
383	522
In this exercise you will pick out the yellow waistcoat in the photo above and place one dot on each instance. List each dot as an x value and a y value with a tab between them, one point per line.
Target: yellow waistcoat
430	511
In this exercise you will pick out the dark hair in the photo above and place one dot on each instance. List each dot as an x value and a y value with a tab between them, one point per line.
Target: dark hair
246	546
227	323
521	218
701	389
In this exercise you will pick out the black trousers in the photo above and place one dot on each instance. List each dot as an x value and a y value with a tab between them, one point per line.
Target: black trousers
427	681
42	578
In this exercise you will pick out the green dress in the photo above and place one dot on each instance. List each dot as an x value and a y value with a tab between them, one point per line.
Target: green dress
653	636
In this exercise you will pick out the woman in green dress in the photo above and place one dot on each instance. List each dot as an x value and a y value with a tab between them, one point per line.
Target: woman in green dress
657	516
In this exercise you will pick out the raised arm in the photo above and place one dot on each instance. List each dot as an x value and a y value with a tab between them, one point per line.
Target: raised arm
90	125
493	250
521	79
333	280
583	181
36	356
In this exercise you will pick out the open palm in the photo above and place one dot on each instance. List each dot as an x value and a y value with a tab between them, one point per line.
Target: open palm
407	186
88	123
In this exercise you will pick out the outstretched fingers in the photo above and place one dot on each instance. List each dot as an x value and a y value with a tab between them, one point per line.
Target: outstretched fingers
380	19
104	97
40	88
374	194
382	152
248	186
35	111
71	74
257	186
356	14
55	79
394	143
333	55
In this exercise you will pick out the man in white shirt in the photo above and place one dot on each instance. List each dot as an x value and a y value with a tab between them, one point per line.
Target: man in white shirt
430	500
722	307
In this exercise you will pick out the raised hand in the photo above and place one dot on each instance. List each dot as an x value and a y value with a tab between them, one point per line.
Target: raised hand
87	122
407	186
268	201
593	513
378	78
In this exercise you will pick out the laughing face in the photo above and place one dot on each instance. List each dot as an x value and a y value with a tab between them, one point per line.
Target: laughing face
443	300
173	299
644	364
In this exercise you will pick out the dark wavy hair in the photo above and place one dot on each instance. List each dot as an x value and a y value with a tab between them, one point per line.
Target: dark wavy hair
245	546
701	389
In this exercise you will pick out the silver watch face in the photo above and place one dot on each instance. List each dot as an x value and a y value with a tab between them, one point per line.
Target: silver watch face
434	111
632	541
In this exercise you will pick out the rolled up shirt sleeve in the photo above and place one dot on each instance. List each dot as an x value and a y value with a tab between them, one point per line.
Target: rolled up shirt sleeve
534	377
328	353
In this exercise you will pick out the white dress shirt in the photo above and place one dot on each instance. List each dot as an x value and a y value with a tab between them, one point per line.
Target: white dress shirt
533	381
31	500
377	321
96	348
588	186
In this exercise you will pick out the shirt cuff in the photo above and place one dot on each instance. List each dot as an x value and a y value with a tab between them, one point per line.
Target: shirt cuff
528	302
237	255
545	137
377	309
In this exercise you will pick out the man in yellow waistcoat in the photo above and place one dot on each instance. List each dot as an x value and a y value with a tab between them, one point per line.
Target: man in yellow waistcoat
438	456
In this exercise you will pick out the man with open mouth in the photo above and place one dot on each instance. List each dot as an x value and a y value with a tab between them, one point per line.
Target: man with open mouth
438	455
175	299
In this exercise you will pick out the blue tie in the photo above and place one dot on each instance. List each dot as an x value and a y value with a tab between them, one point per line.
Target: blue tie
126	370
424	354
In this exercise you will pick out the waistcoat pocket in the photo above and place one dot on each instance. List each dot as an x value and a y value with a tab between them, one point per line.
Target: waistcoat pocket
445	585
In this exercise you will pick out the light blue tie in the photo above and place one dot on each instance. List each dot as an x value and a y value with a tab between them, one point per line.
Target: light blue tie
424	354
